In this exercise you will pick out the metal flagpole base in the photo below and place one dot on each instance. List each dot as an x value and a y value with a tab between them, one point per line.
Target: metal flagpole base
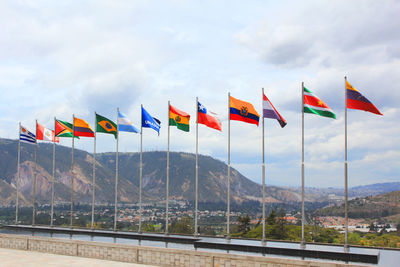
303	244
346	248
264	242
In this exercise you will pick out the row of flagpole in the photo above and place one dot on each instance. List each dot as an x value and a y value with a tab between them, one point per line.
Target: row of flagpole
237	110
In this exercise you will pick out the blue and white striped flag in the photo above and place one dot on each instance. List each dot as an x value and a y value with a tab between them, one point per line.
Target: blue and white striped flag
125	125
26	136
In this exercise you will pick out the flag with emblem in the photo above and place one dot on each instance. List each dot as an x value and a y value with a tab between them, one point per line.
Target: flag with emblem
242	111
312	104
125	124
44	134
104	125
26	136
179	119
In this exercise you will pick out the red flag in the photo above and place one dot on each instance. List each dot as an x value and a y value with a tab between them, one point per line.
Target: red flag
44	134
355	100
204	117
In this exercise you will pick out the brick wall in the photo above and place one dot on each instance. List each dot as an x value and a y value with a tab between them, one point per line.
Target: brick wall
147	255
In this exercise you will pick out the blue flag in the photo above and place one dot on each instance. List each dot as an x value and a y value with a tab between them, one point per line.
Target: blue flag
124	124
150	122
26	136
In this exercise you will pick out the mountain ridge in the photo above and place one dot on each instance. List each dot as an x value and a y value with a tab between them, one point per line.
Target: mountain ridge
212	177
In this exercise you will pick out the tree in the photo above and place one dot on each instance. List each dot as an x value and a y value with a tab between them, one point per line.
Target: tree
271	217
372	227
183	226
244	224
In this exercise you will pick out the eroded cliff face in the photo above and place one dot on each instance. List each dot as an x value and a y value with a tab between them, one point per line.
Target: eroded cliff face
212	177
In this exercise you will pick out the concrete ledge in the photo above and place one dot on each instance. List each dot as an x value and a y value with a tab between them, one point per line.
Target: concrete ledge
147	255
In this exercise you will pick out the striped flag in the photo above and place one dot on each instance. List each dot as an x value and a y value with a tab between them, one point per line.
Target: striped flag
207	117
269	111
44	134
82	128
26	136
179	118
312	104
125	125
355	100
240	110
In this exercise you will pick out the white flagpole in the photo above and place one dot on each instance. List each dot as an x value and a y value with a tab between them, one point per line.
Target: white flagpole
140	171
34	182
17	182
229	171
167	182
196	232
303	242
72	170
52	175
346	207
94	170
263	170
116	179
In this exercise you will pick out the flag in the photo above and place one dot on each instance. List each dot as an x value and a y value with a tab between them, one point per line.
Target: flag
125	125
312	104
149	122
269	111
26	136
208	117
44	134
243	111
179	119
64	129
104	125
355	100
82	128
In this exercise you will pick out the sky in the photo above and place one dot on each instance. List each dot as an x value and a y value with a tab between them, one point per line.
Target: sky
59	58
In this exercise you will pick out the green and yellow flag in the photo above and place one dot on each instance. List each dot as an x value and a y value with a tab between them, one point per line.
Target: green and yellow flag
104	125
179	119
64	129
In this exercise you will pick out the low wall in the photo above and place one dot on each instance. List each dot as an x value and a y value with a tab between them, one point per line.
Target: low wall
147	255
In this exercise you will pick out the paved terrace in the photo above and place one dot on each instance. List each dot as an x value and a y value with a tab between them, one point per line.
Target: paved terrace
13	258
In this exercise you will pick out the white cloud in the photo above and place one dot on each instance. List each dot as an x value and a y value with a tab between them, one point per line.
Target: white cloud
59	59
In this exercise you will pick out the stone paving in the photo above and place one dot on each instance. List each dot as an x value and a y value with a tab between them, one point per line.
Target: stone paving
15	258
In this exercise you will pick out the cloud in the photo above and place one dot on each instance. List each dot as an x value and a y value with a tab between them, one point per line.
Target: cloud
59	59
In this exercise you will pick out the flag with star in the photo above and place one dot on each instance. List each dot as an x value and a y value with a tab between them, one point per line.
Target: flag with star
312	104
104	125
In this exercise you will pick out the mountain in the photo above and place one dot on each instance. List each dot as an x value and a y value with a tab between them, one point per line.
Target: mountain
357	191
212	177
374	189
367	207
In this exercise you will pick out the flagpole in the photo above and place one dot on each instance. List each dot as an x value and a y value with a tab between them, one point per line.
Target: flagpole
303	242
34	182
346	207
52	175
17	182
116	179
229	171
167	182
140	172
263	172
72	170
94	171
196	232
